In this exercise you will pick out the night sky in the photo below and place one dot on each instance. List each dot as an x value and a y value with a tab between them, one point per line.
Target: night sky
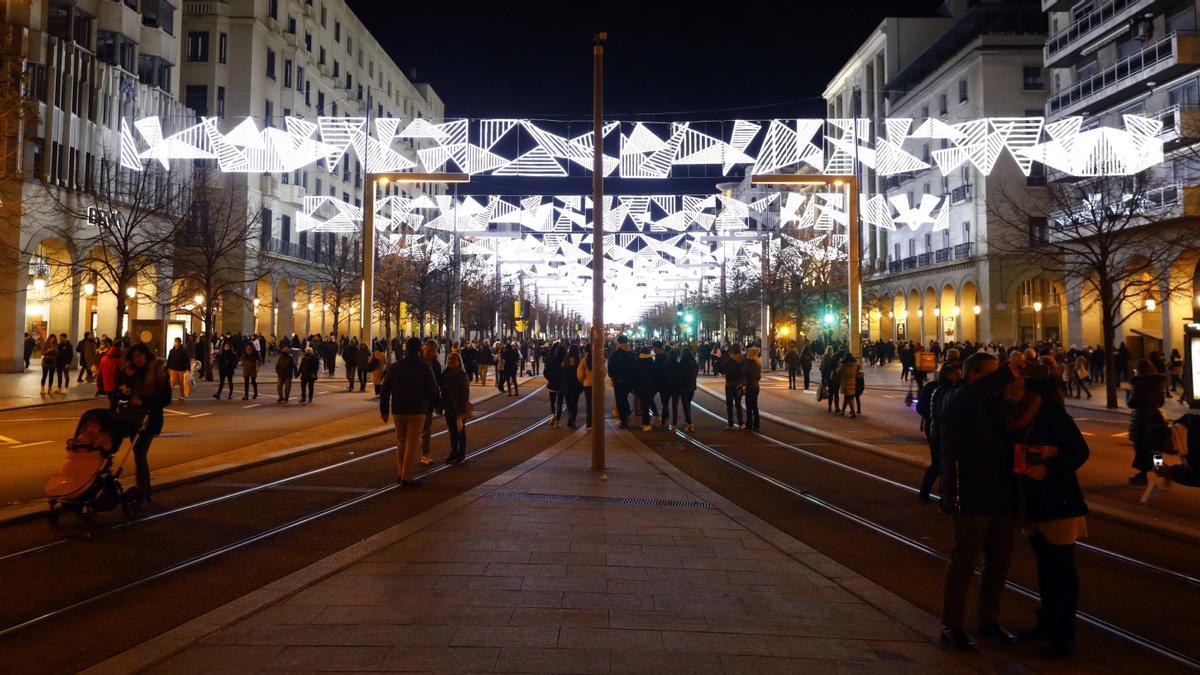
664	61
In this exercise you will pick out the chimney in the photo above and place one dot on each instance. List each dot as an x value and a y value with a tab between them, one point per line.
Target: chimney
412	74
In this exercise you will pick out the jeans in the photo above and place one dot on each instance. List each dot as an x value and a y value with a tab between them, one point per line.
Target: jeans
1058	586
752	419
48	375
733	401
141	460
664	404
458	437
807	376
225	377
556	404
935	466
247	382
284	388
791	377
991	535
362	379
64	376
426	428
350	370
685	397
587	399
622	390
306	389
408	443
646	397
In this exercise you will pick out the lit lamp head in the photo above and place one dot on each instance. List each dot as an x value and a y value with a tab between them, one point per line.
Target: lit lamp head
257	302
295	304
131	292
977	310
1151	304
199	299
937	311
310	307
955	311
39	283
1037	306
920	314
89	288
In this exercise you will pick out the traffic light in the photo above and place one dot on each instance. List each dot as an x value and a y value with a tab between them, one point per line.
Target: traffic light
828	318
689	318
679	309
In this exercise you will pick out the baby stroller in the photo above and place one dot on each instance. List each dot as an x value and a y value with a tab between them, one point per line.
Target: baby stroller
87	482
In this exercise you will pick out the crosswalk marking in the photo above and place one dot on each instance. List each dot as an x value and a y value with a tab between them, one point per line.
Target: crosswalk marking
205	414
29	445
252	405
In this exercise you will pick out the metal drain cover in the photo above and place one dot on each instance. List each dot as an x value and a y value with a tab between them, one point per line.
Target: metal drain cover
592	499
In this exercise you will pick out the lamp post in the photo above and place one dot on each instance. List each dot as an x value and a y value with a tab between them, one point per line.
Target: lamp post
598	404
366	316
850	183
1037	321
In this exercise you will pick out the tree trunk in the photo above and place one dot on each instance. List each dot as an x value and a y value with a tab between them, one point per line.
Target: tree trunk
1107	327
121	298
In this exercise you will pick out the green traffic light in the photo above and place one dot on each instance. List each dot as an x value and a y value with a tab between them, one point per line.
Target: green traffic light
689	318
828	318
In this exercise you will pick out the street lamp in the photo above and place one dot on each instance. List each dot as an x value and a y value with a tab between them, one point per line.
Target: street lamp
1151	304
199	299
976	310
131	292
1037	320
89	288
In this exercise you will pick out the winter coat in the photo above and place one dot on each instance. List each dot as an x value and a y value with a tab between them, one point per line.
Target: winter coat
622	365
485	356
409	388
664	379
456	391
847	374
553	370
249	365
178	359
583	373
377	367
106	372
685	375
49	357
151	385
792	358
733	367
362	357
568	376
66	354
285	365
753	373
977	473
806	359
643	376
227	362
310	368
1058	495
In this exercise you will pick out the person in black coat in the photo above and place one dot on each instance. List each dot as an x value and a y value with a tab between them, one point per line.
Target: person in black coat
1054	510
664	381
309	369
227	363
1147	429
143	385
570	384
733	367
552	359
647	386
349	361
622	364
66	354
684	369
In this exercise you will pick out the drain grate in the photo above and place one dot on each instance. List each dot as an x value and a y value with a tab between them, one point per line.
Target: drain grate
591	499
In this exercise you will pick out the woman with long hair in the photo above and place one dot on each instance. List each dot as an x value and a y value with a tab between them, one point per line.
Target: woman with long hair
49	362
456	406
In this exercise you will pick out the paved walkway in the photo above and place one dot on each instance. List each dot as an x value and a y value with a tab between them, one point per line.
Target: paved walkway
505	578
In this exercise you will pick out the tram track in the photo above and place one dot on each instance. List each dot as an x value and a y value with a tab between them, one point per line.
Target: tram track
95	597
771	476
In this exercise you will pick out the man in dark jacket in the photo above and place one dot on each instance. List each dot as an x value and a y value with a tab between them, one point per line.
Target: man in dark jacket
349	359
143	385
285	370
621	366
409	390
978	490
179	366
733	367
308	370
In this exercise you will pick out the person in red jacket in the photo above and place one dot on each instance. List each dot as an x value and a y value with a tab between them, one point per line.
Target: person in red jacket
106	373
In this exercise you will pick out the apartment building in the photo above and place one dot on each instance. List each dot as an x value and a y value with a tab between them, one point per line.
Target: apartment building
85	65
1109	58
978	59
271	59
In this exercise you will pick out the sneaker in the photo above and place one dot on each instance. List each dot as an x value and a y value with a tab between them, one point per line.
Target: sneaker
426	459
958	639
690	427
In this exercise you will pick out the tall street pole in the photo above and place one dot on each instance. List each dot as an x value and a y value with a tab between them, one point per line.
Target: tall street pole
598	369
855	264
368	262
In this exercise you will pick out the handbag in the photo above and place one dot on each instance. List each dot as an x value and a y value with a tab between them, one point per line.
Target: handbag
1026	455
822	392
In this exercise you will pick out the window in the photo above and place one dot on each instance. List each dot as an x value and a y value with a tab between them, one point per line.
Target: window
320	103
945	238
943	105
912	247
928	242
299	78
322	16
350	46
159	14
962	91
1184	19
1039	230
1032	78
1186	95
196	97
321	60
273	9
308	42
223	48
287	73
285	228
271	63
337	69
967	232
291	24
349	82
154	71
924	112
333	110
115	49
308	93
337	31
221	102
269	114
896	255
266	225
197	46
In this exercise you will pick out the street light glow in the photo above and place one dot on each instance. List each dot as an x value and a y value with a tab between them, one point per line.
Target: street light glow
1037	306
131	292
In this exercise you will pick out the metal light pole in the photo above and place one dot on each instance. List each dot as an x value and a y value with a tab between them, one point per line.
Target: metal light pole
855	286
598	405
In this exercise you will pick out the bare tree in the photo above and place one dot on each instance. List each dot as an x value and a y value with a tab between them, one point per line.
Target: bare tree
338	271
215	257
1111	238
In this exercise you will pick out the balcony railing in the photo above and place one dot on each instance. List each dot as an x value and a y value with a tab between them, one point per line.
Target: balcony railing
1180	122
1085	25
943	255
924	259
1122	73
964	251
910	263
294	250
894	266
960	194
938	257
205	8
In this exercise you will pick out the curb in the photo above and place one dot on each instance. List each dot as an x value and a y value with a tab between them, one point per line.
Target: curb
36	509
1119	515
175	640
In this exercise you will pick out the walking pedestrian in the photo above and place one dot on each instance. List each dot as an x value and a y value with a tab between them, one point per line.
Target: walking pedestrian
622	365
143	384
847	379
806	363
929	404
664	382
49	363
409	390
285	370
733	367
429	354
250	364
553	361
179	366
1053	450
647	388
456	406
27	349
377	367
571	385
66	355
362	365
829	383
308	370
791	359
511	362
1148	430
86	349
106	372
486	361
227	363
684	371
349	359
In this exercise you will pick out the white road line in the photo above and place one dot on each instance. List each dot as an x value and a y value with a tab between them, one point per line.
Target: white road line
1087	433
1123	434
252	405
29	445
173	412
201	415
888	396
39	419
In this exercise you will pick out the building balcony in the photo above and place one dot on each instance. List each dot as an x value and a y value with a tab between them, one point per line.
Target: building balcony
1167	202
910	263
291	40
1067	46
205	8
1180	123
267	185
1161	60
943	255
964	251
1057	5
894	267
961	193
